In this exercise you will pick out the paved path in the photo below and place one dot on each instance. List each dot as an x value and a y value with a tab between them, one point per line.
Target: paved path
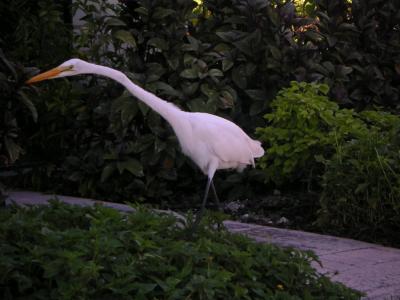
370	268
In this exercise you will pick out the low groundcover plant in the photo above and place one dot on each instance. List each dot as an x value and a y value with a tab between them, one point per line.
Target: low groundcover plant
70	252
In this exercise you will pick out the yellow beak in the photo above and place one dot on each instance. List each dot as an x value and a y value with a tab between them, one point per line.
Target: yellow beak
47	75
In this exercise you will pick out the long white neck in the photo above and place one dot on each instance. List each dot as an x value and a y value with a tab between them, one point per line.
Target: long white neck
167	110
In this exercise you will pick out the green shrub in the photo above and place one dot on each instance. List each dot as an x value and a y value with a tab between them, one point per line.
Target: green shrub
303	127
36	33
257	51
229	58
361	184
15	108
352	158
359	46
69	252
116	145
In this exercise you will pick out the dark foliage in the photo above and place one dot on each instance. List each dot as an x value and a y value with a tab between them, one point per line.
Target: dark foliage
229	58
350	158
69	252
15	106
35	32
367	203
359	45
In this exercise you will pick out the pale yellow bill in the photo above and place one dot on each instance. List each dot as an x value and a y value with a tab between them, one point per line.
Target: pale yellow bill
47	75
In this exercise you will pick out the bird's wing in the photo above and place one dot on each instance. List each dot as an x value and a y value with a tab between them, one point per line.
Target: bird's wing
226	140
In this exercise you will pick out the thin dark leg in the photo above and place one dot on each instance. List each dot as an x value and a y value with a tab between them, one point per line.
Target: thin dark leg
216	196
203	205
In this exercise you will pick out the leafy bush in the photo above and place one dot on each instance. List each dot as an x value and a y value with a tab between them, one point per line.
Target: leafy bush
361	184
140	155
359	44
33	33
224	57
15	108
36	33
352	158
65	252
258	50
304	127
130	151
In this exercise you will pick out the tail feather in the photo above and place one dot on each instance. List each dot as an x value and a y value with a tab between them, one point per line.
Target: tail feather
256	148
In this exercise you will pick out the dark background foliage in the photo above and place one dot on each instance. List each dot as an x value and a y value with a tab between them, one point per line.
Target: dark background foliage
359	44
87	136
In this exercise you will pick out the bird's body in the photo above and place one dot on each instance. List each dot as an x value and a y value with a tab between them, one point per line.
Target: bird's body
210	141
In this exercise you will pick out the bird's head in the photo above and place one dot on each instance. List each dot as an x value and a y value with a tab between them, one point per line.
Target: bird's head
71	67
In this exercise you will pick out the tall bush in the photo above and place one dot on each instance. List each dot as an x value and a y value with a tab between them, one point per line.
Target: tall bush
15	106
36	33
361	194
112	139
359	45
303	128
257	49
350	158
225	57
33	33
199	61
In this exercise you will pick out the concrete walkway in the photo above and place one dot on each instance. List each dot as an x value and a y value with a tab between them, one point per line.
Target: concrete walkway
367	267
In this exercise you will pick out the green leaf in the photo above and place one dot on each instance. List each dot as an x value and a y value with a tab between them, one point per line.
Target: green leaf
208	90
329	66
145	288
231	36
160	12
108	170
28	103
320	69
198	105
114	21
190	88
189	74
238	77
125	36
324	88
8	64
256	108
227	100
154	72
275	52
361	188
344	70
173	62
128	112
258	95
227	64
194	44
347	26
144	108
134	167
158	43
188	59
250	43
142	10
13	149
215	73
313	36
165	88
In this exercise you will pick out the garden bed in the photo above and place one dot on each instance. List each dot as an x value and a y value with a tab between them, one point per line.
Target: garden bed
70	252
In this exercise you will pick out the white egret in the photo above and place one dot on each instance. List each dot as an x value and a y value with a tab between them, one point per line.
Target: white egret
210	141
